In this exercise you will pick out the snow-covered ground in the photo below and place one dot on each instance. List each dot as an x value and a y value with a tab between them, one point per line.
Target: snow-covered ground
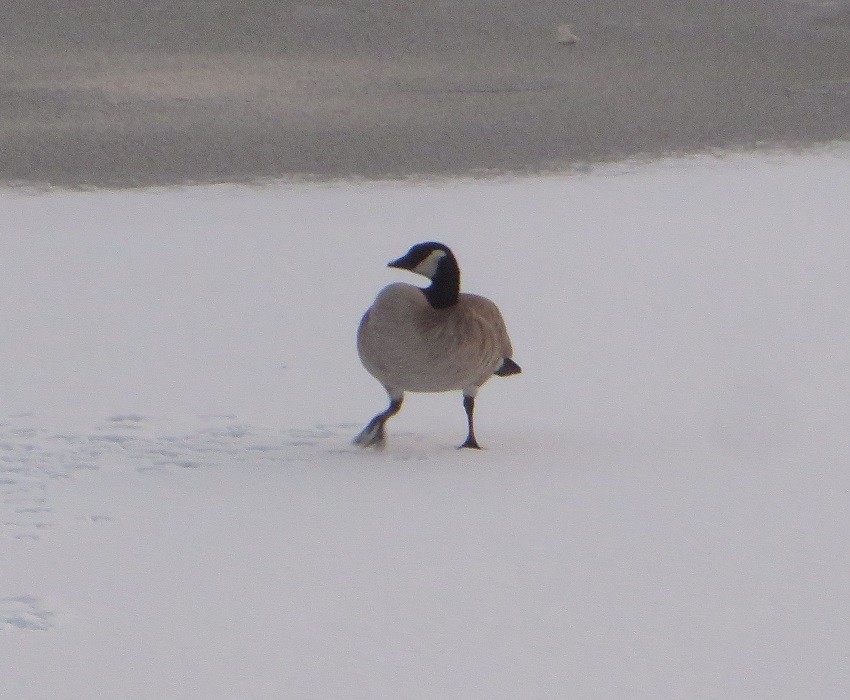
662	509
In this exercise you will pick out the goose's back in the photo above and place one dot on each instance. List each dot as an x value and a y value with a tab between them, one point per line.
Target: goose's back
410	346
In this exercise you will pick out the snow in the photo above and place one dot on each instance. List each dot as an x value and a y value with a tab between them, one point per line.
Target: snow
661	509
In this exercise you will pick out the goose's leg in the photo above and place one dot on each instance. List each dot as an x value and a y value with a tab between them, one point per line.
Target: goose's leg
469	407
373	434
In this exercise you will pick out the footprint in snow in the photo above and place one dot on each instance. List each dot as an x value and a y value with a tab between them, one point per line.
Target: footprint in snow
25	612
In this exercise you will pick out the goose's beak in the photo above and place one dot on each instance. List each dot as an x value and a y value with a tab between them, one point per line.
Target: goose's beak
398	263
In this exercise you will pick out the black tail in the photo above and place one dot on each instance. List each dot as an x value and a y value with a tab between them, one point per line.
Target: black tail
508	367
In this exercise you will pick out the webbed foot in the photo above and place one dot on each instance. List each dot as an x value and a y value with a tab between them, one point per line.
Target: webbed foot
372	435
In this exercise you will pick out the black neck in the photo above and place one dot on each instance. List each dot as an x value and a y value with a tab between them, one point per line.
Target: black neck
445	284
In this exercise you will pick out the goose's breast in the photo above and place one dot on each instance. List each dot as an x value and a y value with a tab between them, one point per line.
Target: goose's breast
407	344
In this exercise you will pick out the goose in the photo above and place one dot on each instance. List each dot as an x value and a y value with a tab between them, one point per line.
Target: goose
431	340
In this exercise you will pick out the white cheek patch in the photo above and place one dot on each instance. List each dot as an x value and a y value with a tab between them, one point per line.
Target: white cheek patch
428	267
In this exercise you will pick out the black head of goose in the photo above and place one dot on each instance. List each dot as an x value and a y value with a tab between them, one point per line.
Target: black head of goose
432	339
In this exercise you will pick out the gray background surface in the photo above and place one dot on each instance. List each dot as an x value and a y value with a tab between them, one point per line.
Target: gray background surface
124	93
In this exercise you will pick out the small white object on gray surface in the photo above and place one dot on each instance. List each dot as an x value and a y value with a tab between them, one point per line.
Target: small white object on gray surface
565	34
